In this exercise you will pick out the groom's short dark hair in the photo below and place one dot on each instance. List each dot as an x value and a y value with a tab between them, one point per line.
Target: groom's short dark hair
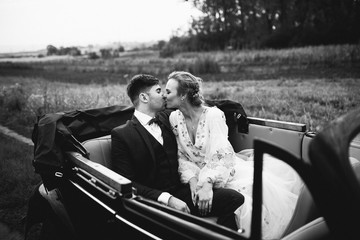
140	83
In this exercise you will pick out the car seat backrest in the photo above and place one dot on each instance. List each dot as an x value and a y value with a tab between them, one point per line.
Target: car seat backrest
99	150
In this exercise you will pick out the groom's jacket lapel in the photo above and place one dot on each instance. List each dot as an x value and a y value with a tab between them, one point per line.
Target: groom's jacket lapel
164	119
145	135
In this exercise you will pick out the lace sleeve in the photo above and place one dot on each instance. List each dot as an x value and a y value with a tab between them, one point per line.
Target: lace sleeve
187	169
220	156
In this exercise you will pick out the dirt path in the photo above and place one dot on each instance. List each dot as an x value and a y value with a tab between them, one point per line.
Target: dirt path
5	232
11	133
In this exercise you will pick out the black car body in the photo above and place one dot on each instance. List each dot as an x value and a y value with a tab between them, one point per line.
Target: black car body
82	198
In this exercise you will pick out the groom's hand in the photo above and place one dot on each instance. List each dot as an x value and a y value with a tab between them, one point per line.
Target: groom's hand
178	204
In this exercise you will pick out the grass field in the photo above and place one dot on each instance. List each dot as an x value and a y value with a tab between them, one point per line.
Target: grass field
18	180
314	102
312	85
294	63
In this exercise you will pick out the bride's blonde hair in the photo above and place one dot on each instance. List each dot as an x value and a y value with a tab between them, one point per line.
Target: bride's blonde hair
189	85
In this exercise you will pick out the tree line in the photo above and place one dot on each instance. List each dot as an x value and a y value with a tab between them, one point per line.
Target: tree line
244	24
256	24
74	51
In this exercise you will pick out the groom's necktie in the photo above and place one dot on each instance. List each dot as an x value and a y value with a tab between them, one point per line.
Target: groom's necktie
155	129
154	120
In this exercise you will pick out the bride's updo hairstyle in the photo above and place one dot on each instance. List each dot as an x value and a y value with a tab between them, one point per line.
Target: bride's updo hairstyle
189	85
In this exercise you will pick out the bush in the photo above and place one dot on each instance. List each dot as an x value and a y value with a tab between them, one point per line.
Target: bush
105	53
13	98
279	39
168	51
205	65
93	55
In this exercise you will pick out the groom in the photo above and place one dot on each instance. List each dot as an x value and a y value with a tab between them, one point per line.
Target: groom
145	152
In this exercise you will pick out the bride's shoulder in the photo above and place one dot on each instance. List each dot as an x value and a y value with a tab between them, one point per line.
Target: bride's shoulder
174	114
214	112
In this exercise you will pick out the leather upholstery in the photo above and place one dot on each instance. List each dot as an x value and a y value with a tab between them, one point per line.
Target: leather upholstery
305	211
314	230
100	150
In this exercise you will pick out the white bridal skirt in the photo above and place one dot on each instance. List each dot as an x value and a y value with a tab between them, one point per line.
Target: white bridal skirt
281	188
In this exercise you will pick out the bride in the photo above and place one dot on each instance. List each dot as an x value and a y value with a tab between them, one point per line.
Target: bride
206	155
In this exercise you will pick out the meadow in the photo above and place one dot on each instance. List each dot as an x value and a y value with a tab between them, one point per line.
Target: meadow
305	63
315	102
18	181
311	85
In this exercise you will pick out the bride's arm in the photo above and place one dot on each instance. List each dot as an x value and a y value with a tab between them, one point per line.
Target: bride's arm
187	169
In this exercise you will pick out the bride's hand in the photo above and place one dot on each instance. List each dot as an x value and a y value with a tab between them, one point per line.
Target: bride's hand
204	199
193	182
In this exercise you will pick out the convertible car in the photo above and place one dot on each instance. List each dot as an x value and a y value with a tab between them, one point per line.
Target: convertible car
80	197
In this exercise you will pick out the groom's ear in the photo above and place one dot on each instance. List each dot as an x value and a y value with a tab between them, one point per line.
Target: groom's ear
143	97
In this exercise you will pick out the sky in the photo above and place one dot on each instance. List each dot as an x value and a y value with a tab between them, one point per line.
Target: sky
29	25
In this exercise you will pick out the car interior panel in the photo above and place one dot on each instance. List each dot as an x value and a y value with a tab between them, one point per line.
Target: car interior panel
288	135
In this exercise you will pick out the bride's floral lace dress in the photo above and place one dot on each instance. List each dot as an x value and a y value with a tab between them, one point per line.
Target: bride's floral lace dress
212	156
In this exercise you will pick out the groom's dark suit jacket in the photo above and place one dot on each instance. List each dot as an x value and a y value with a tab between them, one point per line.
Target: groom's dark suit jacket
138	156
